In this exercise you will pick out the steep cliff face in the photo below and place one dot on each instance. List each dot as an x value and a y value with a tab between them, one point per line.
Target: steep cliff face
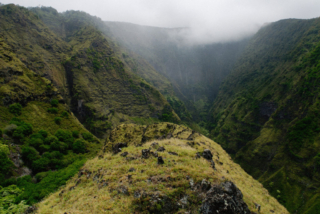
195	71
75	55
161	168
267	112
57	82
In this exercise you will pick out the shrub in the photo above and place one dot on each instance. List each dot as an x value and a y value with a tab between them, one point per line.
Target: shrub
7	202
50	140
29	154
43	133
54	102
24	129
75	134
40	165
87	136
34	192
59	146
15	109
18	133
53	110
5	163
57	120
9	129
1	133
64	136
44	148
65	114
35	142
79	146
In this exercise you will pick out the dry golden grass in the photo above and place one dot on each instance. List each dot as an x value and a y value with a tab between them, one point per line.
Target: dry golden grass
89	197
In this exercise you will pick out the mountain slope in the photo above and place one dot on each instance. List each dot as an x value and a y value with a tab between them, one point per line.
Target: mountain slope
53	87
267	112
40	138
91	78
132	181
195	71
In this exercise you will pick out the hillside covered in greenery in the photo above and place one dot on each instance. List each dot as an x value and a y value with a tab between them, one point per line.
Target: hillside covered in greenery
85	106
60	89
267	112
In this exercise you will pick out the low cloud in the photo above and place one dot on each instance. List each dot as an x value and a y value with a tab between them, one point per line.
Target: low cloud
205	21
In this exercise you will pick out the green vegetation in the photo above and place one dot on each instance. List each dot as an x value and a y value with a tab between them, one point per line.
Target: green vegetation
15	109
267	112
7	200
54	103
53	110
57	120
143	175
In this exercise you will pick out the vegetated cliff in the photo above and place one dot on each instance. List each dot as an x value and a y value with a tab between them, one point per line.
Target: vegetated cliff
161	168
195	71
49	80
42	144
267	112
92	80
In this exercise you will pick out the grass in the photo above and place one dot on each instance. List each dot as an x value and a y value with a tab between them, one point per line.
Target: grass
168	179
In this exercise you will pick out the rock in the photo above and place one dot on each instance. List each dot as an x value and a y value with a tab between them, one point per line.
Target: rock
224	199
137	194
31	209
124	190
124	154
169	136
160	160
117	147
155	154
155	145
191	182
173	153
61	193
207	154
132	169
161	149
258	207
197	156
205	185
130	158
102	184
183	201
145	153
213	165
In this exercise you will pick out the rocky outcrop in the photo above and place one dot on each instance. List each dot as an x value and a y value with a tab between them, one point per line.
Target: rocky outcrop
224	199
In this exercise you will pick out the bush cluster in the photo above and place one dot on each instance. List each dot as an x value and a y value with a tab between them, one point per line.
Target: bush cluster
43	151
15	109
18	129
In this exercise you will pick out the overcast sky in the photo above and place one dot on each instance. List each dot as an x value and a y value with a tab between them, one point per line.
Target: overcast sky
211	20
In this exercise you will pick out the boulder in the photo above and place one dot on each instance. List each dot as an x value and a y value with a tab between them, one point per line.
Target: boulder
145	153
117	147
224	199
160	160
161	149
207	154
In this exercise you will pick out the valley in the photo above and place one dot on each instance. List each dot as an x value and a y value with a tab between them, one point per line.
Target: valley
74	89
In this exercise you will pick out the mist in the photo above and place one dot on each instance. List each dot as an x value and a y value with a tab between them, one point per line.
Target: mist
203	21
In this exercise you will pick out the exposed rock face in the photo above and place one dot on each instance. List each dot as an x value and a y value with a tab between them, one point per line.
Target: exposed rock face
124	154
224	199
207	154
161	149
160	160
145	153
117	147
